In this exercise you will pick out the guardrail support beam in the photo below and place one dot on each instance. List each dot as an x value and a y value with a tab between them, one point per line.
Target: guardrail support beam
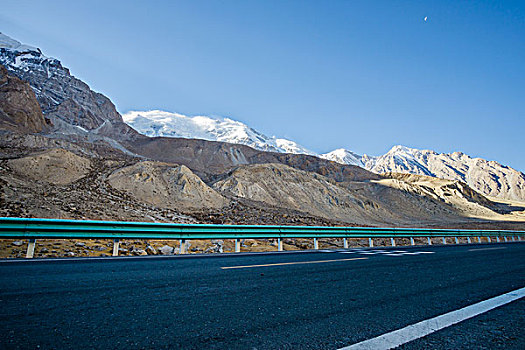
345	243
237	245
488	239
392	242
316	244
479	239
468	240
456	240
370	242
116	243
279	244
505	238
444	240
31	248
429	241
411	240
497	239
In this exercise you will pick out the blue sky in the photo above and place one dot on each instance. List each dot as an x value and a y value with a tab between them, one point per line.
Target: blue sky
362	75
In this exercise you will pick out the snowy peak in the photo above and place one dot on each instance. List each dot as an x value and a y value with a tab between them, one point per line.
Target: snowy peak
9	43
20	56
488	177
160	123
344	156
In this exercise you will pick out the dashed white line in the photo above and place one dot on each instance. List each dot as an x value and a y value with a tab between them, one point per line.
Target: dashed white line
424	328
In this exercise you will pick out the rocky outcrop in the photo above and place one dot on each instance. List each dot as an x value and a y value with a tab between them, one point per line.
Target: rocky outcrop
19	109
166	185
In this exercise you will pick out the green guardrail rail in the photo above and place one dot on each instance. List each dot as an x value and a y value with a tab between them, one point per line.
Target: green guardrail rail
33	229
58	228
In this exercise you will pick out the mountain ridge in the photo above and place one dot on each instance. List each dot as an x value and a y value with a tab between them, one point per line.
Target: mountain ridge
487	177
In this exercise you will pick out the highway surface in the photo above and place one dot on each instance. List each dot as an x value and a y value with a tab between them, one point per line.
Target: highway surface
307	300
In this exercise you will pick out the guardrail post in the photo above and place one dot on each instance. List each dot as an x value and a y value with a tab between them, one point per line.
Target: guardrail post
513	239
488	239
479	239
116	243
497	239
444	240
411	240
31	248
237	245
392	242
505	238
182	244
429	241
345	243
370	242
468	240
316	244
456	240
279	244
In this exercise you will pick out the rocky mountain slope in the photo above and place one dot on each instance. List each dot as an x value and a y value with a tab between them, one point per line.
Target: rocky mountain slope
70	105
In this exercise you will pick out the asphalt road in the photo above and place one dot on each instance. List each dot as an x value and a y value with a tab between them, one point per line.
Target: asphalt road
303	302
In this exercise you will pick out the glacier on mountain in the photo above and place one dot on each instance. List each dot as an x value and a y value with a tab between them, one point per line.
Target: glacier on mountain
160	123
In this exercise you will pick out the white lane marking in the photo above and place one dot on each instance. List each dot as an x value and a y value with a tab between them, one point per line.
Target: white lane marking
289	263
495	248
424	328
386	252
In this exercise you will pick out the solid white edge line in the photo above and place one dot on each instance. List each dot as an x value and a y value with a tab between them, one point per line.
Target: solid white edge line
424	328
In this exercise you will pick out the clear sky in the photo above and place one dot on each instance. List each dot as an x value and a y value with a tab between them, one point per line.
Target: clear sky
362	75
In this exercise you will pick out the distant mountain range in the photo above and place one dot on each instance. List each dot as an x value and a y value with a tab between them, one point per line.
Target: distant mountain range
488	177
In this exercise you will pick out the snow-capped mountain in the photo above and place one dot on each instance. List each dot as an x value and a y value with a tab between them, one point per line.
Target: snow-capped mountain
159	123
344	156
488	177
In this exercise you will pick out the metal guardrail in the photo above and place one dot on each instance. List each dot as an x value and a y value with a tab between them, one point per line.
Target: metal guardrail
33	229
